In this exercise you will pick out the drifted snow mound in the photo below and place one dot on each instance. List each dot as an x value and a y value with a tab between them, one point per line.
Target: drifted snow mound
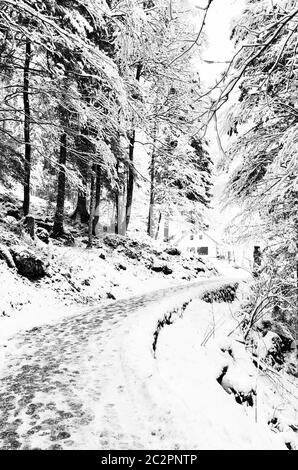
212	417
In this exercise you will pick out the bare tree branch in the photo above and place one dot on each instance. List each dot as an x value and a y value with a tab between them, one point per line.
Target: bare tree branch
197	37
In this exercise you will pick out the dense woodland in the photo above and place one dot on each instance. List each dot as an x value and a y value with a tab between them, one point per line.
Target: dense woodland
79	81
265	124
114	333
82	81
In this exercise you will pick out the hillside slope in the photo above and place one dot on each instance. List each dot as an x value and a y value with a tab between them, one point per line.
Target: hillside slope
63	274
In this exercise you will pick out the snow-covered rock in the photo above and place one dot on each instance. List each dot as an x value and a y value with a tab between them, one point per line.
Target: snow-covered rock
28	263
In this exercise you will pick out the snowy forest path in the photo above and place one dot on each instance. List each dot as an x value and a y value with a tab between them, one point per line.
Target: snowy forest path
72	385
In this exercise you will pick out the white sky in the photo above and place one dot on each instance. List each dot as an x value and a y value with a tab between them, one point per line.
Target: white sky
218	29
219	48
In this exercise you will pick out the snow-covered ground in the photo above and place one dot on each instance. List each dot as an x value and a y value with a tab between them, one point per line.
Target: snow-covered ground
133	395
25	304
77	276
192	353
164	370
173	400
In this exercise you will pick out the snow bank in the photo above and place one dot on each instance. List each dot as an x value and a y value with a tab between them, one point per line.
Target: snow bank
190	366
171	399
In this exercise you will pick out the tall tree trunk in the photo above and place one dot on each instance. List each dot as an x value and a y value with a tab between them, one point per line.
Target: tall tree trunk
97	198
27	118
58	228
117	203
296	319
296	260
81	210
130	180
150	225
158	226
92	209
117	212
166	229
29	224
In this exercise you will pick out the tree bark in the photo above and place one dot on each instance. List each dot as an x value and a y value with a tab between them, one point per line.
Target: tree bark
29	224
58	227
117	212
166	229
150	225
117	203
296	261
92	210
130	180
158	226
27	118
97	198
81	208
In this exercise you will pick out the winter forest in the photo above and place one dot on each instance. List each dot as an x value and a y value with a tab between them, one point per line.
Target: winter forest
148	224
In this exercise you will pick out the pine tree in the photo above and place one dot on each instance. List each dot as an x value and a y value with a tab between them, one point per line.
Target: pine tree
265	179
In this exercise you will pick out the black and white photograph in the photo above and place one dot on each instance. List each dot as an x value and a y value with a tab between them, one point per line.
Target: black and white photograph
148	229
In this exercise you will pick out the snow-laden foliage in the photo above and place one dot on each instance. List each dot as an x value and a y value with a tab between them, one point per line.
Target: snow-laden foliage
265	122
183	170
80	79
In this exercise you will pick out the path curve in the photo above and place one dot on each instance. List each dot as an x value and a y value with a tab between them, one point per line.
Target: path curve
68	385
